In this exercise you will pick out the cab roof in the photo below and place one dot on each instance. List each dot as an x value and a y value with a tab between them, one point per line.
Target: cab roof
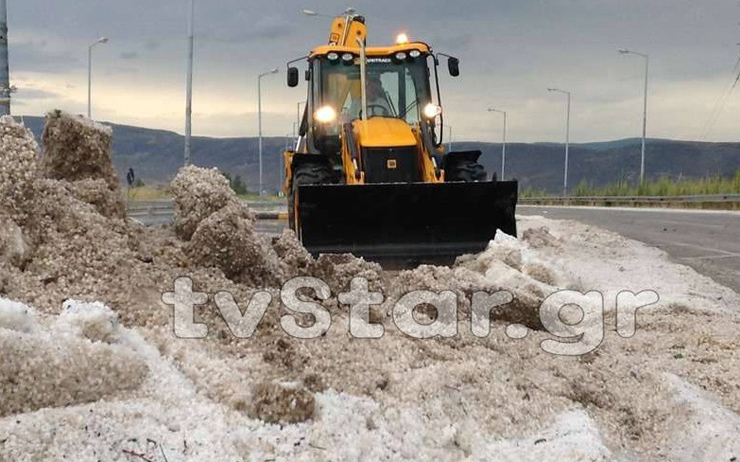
371	51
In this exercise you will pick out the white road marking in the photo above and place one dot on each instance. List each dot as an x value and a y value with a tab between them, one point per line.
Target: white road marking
710	257
701	247
632	209
689	223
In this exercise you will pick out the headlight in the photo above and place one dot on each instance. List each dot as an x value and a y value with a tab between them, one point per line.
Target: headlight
348	57
431	110
400	56
332	56
326	115
415	53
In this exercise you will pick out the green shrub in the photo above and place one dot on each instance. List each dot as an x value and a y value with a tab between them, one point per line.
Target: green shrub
663	186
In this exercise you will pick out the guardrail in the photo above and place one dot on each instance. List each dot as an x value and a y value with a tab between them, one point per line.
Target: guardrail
277	210
162	208
697	201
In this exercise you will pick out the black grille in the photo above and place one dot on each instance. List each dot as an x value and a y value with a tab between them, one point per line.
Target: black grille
391	165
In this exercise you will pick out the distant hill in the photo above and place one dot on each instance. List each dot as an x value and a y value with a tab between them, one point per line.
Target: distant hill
156	156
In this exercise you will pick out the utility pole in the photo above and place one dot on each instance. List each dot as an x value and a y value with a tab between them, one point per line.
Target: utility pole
189	85
5	88
567	139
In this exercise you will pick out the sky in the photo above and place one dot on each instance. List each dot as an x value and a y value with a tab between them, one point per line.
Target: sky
511	51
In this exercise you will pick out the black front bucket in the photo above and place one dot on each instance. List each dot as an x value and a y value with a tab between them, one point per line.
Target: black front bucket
415	222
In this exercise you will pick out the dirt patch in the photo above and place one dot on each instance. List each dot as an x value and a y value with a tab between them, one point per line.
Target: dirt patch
282	403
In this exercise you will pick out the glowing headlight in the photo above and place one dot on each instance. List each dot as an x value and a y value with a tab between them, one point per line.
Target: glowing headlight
332	56
415	53
400	56
326	115
431	111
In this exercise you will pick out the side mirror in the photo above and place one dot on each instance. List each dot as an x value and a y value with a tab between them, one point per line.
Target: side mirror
453	64
292	76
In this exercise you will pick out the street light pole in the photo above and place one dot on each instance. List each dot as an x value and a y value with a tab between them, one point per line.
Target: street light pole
5	88
567	139
189	84
503	148
644	109
449	143
89	74
259	119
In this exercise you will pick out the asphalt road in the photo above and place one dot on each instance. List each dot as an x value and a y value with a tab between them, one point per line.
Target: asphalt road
707	241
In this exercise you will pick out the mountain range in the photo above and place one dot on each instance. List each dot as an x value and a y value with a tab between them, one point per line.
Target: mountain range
156	155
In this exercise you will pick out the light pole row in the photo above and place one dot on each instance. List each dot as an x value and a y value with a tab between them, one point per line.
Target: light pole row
188	110
644	123
567	126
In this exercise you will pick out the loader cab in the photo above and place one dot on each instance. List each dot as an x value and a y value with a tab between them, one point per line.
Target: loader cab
397	87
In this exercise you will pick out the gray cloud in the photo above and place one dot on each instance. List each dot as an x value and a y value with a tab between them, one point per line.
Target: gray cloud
120	70
35	93
245	29
38	56
511	50
152	44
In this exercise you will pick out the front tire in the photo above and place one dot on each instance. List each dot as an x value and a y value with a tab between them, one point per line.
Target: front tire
305	173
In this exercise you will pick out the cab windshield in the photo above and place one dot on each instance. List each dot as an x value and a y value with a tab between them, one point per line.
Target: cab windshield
397	89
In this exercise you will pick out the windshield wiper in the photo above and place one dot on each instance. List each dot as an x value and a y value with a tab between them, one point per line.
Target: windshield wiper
408	108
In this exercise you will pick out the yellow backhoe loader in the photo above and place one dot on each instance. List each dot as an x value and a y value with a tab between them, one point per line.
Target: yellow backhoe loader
369	174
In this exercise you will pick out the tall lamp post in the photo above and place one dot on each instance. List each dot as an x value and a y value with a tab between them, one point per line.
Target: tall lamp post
5	88
644	108
189	83
449	143
89	73
503	147
567	139
259	118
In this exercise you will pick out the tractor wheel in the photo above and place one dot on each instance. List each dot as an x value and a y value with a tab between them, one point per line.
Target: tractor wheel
465	170
305	173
